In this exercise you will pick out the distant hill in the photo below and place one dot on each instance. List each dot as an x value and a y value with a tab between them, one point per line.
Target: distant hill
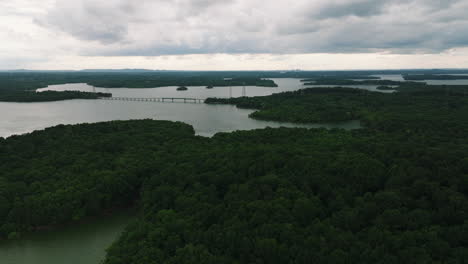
119	70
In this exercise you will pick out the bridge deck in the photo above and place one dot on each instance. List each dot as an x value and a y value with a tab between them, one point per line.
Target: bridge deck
157	99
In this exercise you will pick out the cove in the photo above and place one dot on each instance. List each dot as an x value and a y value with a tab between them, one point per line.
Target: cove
76	243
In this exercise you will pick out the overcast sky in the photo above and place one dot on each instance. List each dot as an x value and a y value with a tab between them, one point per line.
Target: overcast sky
233	34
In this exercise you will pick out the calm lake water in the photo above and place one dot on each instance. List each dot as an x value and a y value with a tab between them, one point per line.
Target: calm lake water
83	243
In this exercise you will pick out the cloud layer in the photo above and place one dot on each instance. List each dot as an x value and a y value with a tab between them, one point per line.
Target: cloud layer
168	27
233	34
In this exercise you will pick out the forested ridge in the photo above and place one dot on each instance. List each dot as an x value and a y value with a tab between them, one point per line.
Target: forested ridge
392	192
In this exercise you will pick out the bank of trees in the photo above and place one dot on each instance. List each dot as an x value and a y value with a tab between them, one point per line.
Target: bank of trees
339	81
47	96
422	77
392	192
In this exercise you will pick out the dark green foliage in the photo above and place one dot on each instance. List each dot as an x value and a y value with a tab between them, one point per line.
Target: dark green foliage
307	105
297	195
67	172
47	96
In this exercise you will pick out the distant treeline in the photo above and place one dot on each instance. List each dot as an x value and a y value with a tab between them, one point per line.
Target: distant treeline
46	96
336	81
413	77
35	80
31	80
341	77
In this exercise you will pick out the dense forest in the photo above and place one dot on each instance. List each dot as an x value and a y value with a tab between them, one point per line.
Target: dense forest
392	192
47	96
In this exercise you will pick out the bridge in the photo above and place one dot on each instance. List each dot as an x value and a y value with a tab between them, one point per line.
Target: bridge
157	99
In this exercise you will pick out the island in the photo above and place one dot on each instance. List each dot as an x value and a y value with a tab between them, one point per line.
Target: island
182	88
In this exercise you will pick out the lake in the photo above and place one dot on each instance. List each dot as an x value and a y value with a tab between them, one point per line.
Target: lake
200	92
207	120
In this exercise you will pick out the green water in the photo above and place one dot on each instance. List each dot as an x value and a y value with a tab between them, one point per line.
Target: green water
83	243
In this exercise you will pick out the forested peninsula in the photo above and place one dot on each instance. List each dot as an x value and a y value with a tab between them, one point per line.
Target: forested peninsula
47	96
392	192
415	106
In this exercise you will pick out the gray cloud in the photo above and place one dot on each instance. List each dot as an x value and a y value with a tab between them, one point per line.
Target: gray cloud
360	8
87	21
168	27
